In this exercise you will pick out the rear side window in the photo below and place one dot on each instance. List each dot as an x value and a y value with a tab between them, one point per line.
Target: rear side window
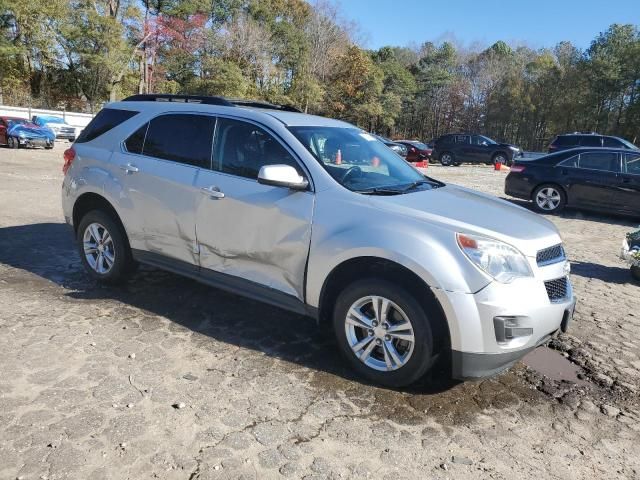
565	141
462	139
591	141
135	142
105	120
611	142
183	138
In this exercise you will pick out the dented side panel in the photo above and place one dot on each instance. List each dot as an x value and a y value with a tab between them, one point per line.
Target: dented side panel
256	232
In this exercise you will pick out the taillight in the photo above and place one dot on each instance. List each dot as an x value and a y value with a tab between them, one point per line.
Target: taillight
69	157
517	168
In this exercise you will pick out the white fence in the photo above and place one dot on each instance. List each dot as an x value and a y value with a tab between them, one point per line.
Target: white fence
72	118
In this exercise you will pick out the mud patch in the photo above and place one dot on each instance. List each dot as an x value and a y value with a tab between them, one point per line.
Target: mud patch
555	366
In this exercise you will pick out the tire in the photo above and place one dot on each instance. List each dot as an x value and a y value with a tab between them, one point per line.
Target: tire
501	158
409	360
446	159
635	273
94	224
13	142
48	147
555	196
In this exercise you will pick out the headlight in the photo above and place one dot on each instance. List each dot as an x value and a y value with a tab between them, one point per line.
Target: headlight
21	134
498	259
515	149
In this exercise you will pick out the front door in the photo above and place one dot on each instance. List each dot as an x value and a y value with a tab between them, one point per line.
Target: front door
248	230
592	177
627	195
158	172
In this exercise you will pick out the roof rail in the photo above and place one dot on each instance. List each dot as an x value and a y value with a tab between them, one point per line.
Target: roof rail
260	104
207	100
162	97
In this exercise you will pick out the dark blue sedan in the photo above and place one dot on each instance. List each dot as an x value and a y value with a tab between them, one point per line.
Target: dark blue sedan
20	132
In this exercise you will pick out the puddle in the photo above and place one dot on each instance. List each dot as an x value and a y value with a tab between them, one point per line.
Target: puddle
553	365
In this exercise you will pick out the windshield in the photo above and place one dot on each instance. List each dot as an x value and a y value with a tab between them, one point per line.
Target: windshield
52	119
628	144
359	162
419	145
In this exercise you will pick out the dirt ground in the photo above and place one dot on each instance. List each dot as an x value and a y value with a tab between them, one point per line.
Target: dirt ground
166	378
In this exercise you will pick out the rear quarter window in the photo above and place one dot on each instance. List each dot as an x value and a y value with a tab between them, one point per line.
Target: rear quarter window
591	141
105	120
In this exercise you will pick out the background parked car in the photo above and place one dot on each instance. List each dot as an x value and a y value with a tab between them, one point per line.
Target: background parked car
454	149
574	140
416	150
399	148
591	178
16	132
61	128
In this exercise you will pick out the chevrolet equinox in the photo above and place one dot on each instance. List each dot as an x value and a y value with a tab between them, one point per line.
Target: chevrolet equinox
318	217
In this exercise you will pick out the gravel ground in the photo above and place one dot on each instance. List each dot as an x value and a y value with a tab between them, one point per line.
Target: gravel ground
166	378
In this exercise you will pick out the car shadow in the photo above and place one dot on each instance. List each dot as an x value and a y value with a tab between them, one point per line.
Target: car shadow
616	275
48	250
575	214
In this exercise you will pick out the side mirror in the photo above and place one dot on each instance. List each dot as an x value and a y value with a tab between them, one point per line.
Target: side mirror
412	149
282	176
484	144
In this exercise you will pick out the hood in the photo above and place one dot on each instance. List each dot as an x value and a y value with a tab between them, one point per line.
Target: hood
463	210
509	145
30	130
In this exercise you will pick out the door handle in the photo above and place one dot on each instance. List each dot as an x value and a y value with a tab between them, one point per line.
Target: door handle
128	168
213	192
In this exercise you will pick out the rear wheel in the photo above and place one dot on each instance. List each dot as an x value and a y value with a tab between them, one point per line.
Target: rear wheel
635	273
446	159
383	332
103	248
549	198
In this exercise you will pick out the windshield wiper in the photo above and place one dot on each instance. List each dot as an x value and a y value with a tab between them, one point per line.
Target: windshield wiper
380	191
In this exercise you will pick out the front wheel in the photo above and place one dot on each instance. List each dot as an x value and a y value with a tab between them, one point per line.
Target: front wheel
549	198
383	332
500	158
635	272
103	248
13	142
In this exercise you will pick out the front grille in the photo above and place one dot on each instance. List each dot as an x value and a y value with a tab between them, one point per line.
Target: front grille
67	130
557	289
551	255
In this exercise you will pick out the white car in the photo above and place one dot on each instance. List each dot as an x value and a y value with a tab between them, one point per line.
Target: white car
61	129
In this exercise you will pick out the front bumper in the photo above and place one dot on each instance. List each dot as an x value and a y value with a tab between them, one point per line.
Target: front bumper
35	142
477	322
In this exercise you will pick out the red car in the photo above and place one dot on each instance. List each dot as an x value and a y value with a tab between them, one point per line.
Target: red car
416	150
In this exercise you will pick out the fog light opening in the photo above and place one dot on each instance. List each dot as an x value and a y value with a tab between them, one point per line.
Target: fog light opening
509	328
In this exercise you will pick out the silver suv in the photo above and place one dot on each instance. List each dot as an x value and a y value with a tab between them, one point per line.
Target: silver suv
316	216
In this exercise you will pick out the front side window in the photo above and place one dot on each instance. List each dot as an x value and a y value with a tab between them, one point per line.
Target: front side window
359	162
591	141
184	138
242	148
604	161
632	164
610	142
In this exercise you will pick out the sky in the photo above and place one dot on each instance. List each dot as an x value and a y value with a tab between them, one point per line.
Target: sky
535	23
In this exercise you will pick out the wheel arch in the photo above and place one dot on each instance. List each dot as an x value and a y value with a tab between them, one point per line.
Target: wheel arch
562	188
93	201
368	266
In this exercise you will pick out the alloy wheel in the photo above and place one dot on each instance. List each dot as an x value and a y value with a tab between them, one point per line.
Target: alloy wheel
98	248
379	333
446	159
548	198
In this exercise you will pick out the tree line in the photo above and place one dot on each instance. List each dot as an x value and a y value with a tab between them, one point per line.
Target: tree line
77	54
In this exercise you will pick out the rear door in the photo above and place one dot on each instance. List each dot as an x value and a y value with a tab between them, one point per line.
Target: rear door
158	167
464	151
247	230
591	178
628	191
